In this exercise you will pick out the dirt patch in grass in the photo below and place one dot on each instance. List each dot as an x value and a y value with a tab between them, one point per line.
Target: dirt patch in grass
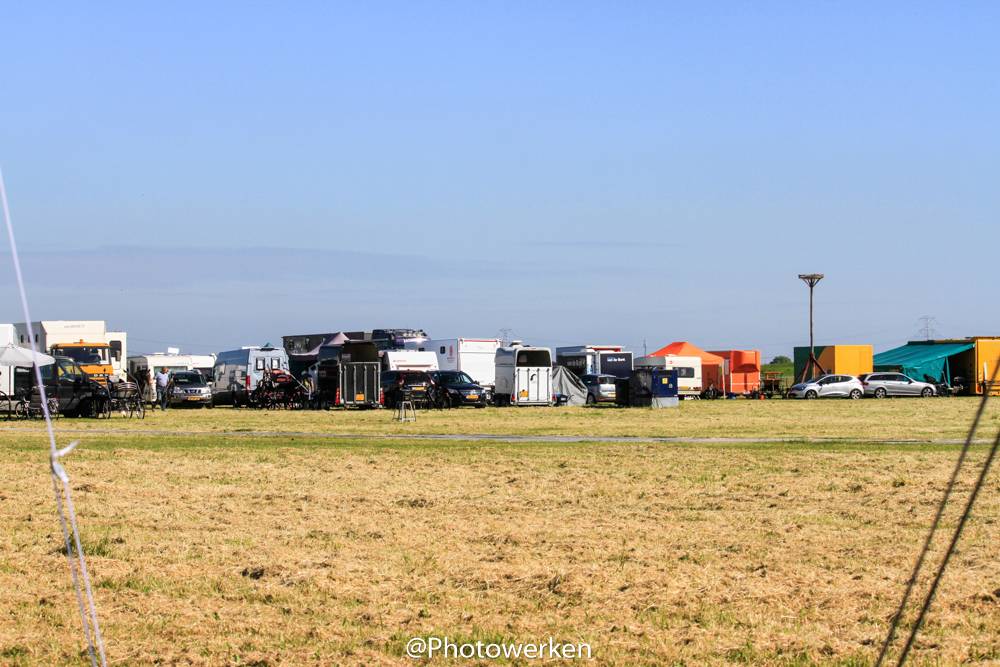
235	552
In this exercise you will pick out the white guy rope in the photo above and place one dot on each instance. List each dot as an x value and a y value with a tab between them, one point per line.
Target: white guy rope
60	481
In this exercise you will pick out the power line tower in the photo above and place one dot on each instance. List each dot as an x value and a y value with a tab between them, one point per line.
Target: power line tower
505	336
927	328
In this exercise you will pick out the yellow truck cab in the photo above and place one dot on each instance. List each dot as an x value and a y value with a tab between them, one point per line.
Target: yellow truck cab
93	358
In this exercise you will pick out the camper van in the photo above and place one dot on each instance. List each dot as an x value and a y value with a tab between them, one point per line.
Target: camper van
237	372
142	368
475	356
100	353
688	371
523	375
596	360
408	360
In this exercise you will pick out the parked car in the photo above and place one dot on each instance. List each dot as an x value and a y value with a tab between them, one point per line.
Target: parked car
600	388
456	388
417	383
881	385
829	386
190	388
77	394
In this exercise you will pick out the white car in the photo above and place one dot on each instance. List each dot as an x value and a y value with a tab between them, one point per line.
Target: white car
829	386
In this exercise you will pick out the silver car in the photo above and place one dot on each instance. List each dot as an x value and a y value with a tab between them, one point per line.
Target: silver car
829	386
600	388
881	385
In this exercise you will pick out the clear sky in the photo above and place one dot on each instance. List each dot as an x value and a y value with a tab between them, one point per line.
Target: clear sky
218	174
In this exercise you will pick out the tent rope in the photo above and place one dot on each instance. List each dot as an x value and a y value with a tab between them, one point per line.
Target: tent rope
935	524
60	480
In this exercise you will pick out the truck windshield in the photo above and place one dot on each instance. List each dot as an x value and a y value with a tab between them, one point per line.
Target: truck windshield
86	355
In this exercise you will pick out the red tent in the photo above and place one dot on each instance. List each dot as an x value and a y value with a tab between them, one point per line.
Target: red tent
711	364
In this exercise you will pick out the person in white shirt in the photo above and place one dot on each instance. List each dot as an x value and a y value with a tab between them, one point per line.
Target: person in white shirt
162	388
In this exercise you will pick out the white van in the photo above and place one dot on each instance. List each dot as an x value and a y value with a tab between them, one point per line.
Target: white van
237	372
523	375
688	371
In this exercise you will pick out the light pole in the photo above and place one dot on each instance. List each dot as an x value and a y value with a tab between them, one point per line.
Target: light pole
811	279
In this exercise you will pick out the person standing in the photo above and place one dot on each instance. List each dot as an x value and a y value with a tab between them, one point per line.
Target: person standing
162	387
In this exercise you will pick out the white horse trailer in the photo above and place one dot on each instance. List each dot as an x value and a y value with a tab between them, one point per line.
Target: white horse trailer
476	357
523	375
688	371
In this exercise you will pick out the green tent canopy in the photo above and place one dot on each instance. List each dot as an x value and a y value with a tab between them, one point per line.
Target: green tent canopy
918	359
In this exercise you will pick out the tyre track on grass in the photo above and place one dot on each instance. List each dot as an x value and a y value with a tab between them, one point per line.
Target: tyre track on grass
491	437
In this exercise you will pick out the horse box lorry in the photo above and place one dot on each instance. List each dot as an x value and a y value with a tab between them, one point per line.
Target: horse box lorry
596	360
523	375
237	372
99	352
476	357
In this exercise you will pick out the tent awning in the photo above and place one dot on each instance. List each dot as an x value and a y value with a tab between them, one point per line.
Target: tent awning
920	359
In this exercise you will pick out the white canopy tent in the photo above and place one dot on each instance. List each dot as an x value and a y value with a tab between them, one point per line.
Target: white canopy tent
12	355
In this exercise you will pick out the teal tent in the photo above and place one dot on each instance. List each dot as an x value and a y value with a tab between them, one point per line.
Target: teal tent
919	358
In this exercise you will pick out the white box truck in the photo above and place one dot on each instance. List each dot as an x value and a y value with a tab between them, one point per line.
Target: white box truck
688	371
99	352
476	357
523	375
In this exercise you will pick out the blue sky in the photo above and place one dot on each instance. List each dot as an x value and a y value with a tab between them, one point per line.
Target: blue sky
221	175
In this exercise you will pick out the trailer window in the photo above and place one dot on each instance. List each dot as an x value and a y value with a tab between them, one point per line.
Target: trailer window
259	364
116	350
685	372
275	363
533	358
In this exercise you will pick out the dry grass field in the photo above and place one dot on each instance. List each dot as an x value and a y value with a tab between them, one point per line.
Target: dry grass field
304	550
913	419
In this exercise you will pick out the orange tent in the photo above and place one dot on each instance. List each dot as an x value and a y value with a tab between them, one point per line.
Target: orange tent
711	364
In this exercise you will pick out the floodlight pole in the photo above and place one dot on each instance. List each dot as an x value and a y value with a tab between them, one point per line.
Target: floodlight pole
811	279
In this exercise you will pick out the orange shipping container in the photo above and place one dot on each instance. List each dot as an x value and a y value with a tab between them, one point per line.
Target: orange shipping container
741	370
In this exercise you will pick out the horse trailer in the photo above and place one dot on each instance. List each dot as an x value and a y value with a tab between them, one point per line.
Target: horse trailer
523	375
